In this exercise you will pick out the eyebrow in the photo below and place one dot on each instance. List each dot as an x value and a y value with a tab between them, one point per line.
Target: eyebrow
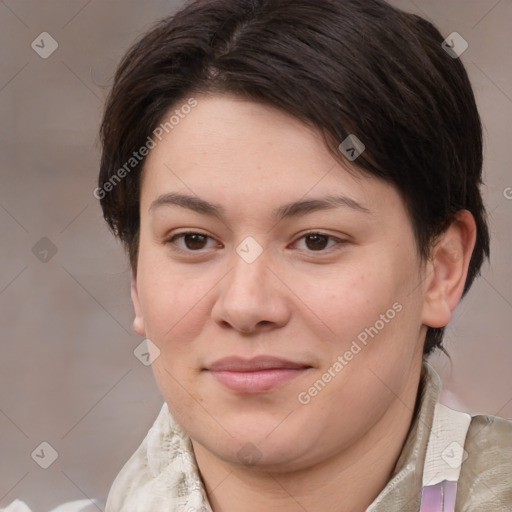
286	211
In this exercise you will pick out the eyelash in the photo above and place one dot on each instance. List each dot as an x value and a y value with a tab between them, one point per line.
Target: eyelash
185	233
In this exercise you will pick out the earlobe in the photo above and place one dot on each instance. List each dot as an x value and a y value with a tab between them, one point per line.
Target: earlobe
448	268
138	322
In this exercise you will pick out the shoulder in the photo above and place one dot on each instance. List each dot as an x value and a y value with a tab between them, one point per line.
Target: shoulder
485	481
161	474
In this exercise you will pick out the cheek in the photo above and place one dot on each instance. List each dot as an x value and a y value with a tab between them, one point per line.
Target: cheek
173	299
348	299
367	312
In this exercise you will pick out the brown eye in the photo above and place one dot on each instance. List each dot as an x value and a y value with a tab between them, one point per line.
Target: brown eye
191	241
316	242
195	241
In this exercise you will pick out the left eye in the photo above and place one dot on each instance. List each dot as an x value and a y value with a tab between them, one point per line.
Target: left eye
317	241
194	242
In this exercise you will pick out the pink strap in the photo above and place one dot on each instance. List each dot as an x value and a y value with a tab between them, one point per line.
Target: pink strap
439	497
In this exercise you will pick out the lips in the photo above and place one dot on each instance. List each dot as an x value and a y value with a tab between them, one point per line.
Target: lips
256	375
238	364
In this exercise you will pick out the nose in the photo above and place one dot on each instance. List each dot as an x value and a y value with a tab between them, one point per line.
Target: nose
252	298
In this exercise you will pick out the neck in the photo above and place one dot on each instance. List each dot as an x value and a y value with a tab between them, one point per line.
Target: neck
349	481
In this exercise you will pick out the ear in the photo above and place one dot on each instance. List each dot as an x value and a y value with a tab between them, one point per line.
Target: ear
138	322
447	270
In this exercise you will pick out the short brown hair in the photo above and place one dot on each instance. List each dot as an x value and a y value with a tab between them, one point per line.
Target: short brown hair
343	66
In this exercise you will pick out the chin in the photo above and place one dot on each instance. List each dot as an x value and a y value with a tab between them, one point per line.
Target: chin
281	454
265	459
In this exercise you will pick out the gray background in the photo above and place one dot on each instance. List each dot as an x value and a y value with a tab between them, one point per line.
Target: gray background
67	369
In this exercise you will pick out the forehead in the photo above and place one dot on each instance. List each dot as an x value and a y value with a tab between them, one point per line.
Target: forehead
231	149
225	131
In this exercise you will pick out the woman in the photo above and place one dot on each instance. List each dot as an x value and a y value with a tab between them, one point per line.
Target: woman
297	186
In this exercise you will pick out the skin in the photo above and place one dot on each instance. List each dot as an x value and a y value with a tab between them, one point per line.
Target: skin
301	299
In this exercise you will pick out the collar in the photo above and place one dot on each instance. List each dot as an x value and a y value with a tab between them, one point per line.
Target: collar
403	491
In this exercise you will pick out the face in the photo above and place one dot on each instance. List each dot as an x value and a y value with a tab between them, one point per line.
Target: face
256	245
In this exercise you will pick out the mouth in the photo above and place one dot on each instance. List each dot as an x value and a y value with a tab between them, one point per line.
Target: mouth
257	375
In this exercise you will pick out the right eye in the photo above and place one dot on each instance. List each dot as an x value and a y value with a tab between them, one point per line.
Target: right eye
192	241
